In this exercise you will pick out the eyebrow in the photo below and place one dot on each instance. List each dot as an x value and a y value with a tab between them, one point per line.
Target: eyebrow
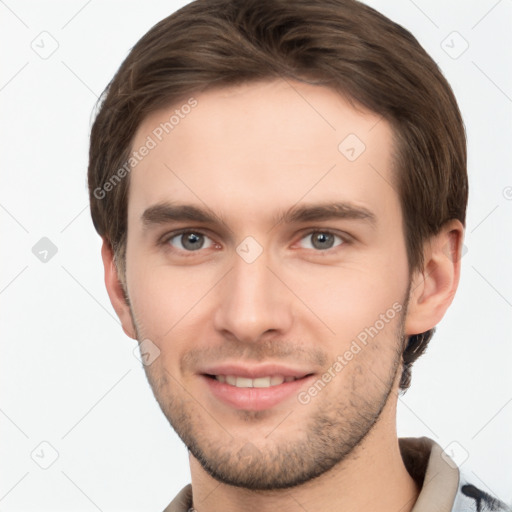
165	212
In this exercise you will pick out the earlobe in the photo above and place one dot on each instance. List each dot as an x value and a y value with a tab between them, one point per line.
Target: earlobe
433	289
115	290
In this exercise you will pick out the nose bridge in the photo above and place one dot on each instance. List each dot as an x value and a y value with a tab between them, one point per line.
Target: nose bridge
253	301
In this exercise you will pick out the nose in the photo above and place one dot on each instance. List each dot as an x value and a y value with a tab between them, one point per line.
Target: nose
253	301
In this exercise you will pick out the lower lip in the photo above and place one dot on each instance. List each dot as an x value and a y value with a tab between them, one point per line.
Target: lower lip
254	399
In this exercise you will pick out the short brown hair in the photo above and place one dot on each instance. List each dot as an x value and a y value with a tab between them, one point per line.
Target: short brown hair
342	44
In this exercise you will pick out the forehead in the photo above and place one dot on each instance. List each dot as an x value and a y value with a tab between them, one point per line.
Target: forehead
254	149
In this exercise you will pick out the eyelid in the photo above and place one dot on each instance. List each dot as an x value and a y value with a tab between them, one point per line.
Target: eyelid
165	239
345	237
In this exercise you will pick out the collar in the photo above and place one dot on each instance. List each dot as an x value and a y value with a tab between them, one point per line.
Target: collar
435	473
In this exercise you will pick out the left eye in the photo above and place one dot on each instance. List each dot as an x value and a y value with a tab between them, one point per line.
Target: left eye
321	240
190	241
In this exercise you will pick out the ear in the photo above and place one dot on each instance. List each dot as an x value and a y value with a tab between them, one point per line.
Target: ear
115	290
433	288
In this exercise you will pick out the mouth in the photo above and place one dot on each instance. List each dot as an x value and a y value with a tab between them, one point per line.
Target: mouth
259	382
255	389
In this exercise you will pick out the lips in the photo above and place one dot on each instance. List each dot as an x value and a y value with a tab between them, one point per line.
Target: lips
254	388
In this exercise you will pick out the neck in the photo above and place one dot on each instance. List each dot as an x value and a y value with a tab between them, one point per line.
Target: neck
373	477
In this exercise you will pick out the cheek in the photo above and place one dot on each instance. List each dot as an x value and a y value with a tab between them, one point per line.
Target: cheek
349	298
167	300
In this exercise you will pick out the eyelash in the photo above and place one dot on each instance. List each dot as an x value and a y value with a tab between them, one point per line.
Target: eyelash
164	241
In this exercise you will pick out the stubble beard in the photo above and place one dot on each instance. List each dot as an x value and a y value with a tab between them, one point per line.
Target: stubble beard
334	428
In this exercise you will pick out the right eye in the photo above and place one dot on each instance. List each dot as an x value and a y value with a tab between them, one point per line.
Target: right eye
188	241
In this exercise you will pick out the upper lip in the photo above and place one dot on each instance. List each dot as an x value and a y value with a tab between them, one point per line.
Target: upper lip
255	371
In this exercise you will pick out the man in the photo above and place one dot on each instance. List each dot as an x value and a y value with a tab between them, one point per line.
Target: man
281	190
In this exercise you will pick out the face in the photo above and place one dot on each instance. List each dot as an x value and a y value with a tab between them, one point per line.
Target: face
266	261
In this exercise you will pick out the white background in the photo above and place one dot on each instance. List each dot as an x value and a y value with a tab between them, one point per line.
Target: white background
68	375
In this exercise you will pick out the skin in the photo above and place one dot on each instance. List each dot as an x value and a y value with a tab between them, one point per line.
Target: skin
248	153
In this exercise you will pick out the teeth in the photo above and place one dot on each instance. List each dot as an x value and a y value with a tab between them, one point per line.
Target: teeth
243	382
260	382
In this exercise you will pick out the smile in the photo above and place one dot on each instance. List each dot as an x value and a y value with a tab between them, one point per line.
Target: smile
255	392
260	382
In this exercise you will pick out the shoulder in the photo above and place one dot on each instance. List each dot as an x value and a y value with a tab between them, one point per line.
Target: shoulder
444	484
471	497
182	502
